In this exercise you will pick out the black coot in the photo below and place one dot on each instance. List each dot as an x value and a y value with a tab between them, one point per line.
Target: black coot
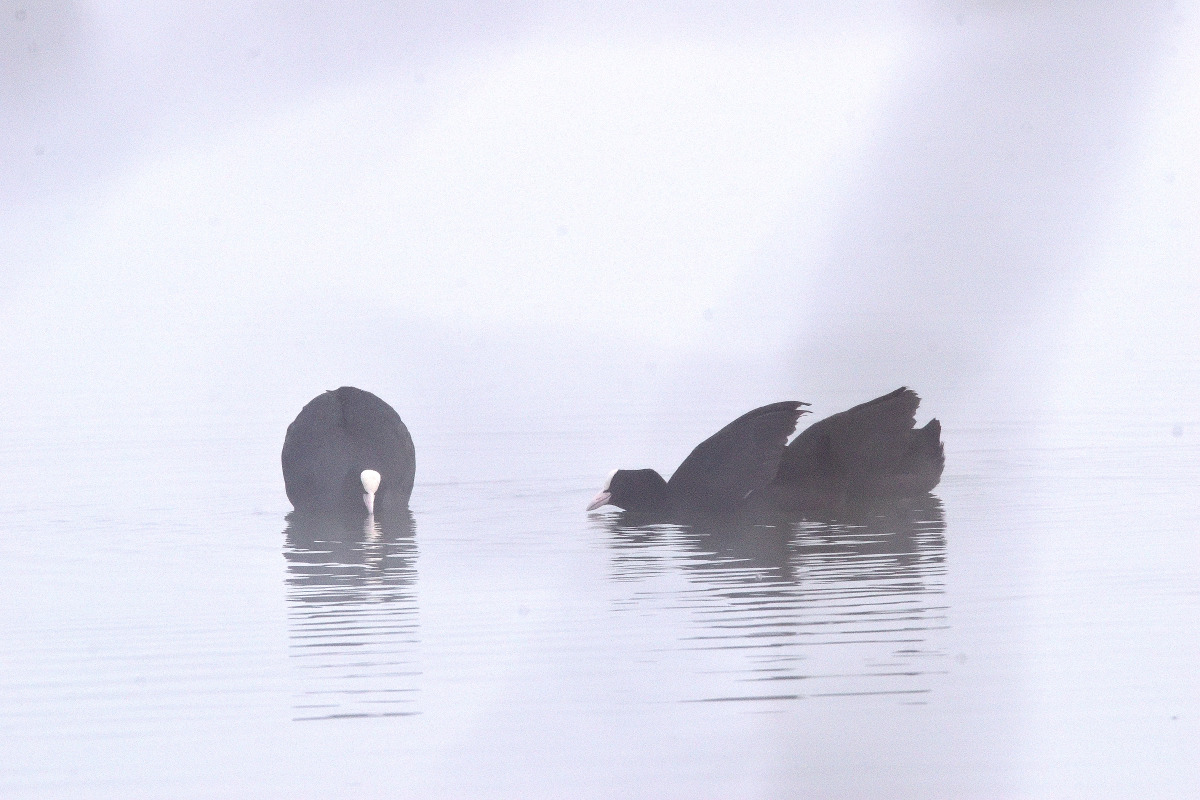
719	475
348	452
871	450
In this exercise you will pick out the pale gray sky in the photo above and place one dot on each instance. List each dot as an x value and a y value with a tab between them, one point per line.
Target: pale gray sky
955	196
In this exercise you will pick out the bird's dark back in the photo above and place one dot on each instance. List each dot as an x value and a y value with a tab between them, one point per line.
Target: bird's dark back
334	438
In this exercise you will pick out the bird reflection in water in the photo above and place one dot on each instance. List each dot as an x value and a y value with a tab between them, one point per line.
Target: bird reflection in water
352	613
785	609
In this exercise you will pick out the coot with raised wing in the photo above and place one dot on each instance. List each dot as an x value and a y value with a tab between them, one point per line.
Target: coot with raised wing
871	450
719	475
348	452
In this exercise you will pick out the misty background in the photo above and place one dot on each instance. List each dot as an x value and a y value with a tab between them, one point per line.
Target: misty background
995	203
564	239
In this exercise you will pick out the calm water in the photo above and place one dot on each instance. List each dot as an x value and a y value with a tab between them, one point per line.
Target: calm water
168	630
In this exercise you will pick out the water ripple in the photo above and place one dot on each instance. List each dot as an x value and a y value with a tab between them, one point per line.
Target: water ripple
851	605
352	616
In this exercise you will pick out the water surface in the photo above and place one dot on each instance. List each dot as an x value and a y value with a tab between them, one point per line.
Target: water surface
169	630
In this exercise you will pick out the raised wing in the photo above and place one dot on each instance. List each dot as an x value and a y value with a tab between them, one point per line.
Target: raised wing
737	460
868	448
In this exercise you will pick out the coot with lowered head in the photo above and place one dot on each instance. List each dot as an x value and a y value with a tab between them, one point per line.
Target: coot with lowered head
871	450
348	452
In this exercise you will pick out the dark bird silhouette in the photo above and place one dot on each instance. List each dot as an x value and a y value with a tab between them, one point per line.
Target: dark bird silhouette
719	475
869	451
348	452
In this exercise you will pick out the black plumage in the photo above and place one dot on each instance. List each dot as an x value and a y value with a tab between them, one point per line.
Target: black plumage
719	475
872	450
336	436
869	451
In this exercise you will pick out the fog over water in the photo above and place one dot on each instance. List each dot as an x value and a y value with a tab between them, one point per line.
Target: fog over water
559	241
